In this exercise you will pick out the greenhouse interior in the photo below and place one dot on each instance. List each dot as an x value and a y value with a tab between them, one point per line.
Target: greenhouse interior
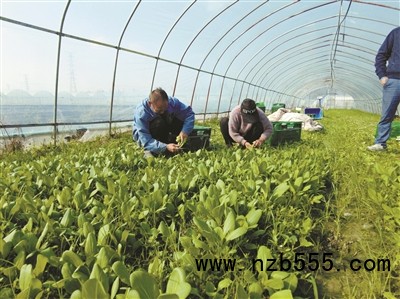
93	204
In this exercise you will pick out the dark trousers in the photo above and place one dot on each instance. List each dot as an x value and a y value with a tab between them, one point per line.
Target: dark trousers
252	135
165	128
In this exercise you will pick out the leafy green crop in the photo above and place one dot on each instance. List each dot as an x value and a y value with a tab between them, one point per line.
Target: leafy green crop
98	220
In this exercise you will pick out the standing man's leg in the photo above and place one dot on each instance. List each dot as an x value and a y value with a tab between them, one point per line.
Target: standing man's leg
223	125
390	102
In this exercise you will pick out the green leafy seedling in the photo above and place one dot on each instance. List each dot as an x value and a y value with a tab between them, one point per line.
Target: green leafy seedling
180	141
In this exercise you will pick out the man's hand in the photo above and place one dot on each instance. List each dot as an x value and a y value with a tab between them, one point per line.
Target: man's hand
173	148
183	135
257	143
181	138
248	145
383	80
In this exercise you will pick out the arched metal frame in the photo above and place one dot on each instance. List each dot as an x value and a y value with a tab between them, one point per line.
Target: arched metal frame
265	73
58	72
266	68
116	64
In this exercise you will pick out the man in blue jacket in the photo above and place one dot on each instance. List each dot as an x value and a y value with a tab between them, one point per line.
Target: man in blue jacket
159	120
387	68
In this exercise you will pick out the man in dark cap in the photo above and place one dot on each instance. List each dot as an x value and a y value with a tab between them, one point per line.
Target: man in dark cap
247	125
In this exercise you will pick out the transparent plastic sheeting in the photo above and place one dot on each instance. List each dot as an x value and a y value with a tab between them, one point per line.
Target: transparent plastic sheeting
71	63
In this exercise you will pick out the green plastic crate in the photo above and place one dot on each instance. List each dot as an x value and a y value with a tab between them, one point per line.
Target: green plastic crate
276	106
285	132
394	132
261	105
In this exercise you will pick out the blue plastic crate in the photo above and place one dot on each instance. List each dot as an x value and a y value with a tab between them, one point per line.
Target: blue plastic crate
315	113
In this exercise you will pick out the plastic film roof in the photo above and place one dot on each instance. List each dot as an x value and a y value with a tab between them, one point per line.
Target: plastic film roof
211	54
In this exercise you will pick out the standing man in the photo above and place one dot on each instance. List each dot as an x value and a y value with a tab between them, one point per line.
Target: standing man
387	67
247	126
159	122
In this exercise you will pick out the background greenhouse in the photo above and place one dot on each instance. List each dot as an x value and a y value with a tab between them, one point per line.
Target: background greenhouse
96	219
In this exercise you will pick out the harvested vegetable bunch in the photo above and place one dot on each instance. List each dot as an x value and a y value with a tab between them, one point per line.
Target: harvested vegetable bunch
180	141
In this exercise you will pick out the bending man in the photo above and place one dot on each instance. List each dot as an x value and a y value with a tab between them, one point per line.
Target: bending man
247	126
157	122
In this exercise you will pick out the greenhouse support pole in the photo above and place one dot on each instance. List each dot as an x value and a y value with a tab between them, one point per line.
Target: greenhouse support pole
115	68
57	73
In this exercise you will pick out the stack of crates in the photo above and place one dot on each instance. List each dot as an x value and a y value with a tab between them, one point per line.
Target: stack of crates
276	106
285	132
314	113
198	139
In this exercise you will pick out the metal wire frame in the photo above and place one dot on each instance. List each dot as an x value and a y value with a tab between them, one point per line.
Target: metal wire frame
372	106
376	4
257	63
291	67
272	77
265	69
157	58
257	37
235	40
303	68
188	47
247	45
357	58
272	67
301	75
346	84
193	40
365	90
262	66
324	72
165	40
215	45
63	124
58	71
61	35
116	64
354	90
336	38
226	48
375	108
265	31
366	74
